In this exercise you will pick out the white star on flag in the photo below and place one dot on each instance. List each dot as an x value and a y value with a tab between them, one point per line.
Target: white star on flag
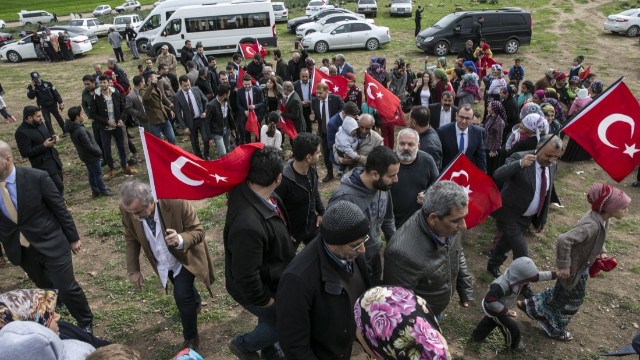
467	189
220	178
335	89
379	95
630	150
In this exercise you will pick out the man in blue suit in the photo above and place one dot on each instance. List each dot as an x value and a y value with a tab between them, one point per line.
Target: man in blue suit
190	106
461	136
250	97
343	66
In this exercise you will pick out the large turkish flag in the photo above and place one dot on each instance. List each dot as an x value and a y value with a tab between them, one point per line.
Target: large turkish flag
338	85
378	97
286	124
177	174
484	197
606	129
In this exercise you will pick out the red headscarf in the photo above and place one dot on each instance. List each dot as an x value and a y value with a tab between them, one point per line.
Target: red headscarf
606	198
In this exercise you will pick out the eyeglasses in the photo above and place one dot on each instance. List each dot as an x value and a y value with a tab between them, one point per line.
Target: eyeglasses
355	248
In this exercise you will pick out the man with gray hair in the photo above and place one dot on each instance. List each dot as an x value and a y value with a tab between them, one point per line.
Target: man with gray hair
343	66
528	181
425	255
121	75
367	141
177	253
417	172
293	107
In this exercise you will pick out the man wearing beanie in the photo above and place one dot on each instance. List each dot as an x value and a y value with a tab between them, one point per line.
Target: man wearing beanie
319	288
369	188
425	255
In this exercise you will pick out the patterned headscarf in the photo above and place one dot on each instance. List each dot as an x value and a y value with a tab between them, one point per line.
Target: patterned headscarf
397	324
548	109
441	74
537	123
442	62
28	305
549	73
530	108
497	108
472	64
606	198
597	87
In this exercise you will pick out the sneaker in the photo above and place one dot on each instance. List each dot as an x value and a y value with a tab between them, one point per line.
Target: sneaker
565	336
241	354
109	174
520	348
108	192
127	170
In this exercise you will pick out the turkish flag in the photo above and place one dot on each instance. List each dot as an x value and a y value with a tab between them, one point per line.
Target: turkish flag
484	197
261	50
382	100
286	124
606	129
337	84
252	124
248	50
240	75
177	174
398	117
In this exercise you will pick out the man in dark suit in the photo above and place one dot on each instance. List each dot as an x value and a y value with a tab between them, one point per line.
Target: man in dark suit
35	143
190	106
250	97
293	107
443	112
303	88
343	66
220	120
38	232
323	108
461	136
133	103
528	182
296	63
186	54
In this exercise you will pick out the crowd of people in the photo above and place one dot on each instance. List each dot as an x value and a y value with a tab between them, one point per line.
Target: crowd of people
388	197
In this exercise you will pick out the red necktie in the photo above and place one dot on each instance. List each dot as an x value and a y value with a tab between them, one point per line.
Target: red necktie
543	190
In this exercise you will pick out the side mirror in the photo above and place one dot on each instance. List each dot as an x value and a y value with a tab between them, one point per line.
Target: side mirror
333	32
164	33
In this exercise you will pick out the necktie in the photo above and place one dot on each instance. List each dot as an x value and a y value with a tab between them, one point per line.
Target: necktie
323	118
152	225
461	145
11	209
249	99
543	190
193	113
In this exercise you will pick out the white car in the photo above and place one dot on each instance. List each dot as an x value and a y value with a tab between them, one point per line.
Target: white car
308	28
102	10
128	6
627	22
2	24
92	24
347	35
401	8
280	11
316	5
23	49
120	22
367	7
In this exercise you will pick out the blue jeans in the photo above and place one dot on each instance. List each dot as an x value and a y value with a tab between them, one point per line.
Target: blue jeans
105	136
264	336
165	128
95	176
187	299
222	142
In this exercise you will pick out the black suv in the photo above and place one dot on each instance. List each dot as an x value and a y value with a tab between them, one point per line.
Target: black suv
294	23
505	28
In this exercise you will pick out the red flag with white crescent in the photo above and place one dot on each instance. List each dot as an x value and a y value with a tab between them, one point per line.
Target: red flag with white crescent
240	75
484	197
252	124
338	85
178	174
286	124
261	49
248	50
381	99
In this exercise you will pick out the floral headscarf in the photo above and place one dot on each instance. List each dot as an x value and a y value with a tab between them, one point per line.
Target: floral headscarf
498	109
441	75
442	62
537	123
530	108
596	87
397	324
28	305
548	109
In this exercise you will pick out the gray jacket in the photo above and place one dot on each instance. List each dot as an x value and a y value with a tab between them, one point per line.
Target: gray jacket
115	39
417	260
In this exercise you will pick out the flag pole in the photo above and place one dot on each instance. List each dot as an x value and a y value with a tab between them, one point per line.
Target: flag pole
147	160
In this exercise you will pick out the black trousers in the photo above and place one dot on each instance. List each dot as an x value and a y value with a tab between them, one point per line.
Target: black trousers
508	327
512	238
95	128
187	299
57	273
49	110
306	111
58	181
417	28
325	154
199	130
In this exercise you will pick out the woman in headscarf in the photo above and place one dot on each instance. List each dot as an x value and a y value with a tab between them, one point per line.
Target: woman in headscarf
424	90
578	251
527	135
551	97
47	45
442	82
468	91
538	97
550	115
493	126
394	323
510	104
456	79
37	45
547	80
398	79
377	69
575	152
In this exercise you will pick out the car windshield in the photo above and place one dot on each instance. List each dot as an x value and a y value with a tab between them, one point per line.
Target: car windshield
316	3
445	21
123	20
99	8
278	7
629	12
402	1
367	2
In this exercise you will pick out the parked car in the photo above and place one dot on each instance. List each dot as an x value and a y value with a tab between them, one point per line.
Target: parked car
23	49
505	28
32	17
128	6
280	11
627	22
102	10
91	24
2	24
347	35
316	5
367	7
294	23
308	28
5	38
93	38
401	8
120	22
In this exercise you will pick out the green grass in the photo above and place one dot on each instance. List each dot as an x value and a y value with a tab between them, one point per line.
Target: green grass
10	9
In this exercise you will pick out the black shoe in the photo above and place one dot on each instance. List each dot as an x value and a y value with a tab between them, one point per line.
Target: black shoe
95	194
636	183
520	348
241	354
494	271
88	328
108	192
527	292
192	343
327	178
132	162
474	339
65	134
103	163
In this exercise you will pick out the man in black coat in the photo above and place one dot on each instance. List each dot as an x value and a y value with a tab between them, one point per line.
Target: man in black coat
38	232
296	64
35	143
254	67
121	75
477	31
318	290
220	120
293	107
467	52
303	88
429	139
250	97
418	19
186	54
190	106
462	136
323	107
443	112
257	248
49	100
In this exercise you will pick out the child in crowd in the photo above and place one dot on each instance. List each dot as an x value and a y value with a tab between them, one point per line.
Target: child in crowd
477	118
577	69
580	102
88	151
502	295
347	141
269	135
526	92
497	83
483	48
516	73
3	110
588	80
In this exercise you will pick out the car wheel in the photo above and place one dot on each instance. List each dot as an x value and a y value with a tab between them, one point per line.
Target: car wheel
14	57
137	9
27	24
309	32
632	31
372	44
441	48
511	47
375	14
321	47
142	46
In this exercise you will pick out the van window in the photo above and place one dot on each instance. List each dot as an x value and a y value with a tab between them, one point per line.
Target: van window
90	23
491	21
174	27
152	23
465	23
226	22
512	20
446	21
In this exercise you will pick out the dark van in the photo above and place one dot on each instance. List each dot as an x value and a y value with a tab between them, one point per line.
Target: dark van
504	28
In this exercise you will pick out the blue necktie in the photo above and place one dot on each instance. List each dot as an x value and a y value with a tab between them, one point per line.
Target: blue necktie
461	145
152	225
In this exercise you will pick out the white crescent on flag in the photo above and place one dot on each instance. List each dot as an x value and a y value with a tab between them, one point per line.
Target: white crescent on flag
176	170
369	94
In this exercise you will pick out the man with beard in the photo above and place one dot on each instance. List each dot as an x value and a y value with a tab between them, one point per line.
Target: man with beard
429	139
425	255
254	68
368	188
148	66
417	172
467	53
186	54
443	112
87	96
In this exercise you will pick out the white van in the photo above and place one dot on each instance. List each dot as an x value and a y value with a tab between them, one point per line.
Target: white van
32	17
219	27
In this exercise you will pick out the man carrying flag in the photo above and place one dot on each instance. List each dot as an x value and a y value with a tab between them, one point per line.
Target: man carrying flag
250	98
292	107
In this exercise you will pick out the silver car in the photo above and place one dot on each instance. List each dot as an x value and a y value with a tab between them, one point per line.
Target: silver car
347	35
401	8
280	11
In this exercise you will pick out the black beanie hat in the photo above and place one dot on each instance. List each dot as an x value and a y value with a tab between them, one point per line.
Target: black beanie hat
342	223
